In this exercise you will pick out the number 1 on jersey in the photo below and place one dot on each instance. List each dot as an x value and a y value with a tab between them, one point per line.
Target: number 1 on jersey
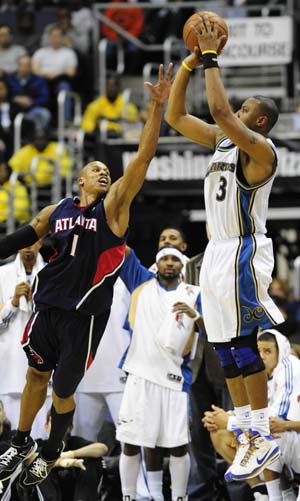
222	189
74	245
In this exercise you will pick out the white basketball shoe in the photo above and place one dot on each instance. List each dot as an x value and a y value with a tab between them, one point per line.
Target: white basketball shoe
261	451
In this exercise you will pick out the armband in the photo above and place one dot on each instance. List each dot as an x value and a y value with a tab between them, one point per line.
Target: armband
210	59
186	67
231	423
24	237
198	315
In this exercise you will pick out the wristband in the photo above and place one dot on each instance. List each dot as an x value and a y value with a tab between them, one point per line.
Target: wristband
231	423
209	52
210	59
186	67
198	315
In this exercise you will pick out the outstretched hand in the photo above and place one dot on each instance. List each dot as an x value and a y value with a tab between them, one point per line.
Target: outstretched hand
160	92
208	34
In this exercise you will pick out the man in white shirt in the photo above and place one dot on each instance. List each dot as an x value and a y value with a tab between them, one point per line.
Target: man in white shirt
154	410
16	280
58	64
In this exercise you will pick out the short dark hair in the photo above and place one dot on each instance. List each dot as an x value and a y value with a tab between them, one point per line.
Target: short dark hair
268	336
269	109
174	227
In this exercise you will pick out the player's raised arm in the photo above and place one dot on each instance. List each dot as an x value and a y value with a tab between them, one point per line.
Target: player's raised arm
188	125
27	235
245	132
123	191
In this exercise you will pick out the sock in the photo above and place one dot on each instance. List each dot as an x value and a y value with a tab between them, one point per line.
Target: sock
243	417
288	494
273	488
155	482
180	470
21	437
129	469
260	421
59	426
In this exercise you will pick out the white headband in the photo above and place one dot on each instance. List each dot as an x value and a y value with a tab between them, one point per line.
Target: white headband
170	251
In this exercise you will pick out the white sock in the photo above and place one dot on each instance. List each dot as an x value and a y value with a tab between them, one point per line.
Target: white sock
243	417
288	494
180	470
155	483
260	421
273	488
129	469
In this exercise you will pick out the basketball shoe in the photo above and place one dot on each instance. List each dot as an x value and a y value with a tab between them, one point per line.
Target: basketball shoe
37	471
14	456
242	441
261	451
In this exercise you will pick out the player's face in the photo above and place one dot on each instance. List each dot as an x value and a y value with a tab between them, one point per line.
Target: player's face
95	179
249	112
171	238
169	267
29	254
269	353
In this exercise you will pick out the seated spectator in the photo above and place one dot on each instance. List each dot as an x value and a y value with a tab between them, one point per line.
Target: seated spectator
112	107
41	146
283	371
25	33
80	481
72	36
58	64
29	93
16	192
9	53
6	119
290	309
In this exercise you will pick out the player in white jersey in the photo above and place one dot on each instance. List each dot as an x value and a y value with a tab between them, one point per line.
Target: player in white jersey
238	260
154	410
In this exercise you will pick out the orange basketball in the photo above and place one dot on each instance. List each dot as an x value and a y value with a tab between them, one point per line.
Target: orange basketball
189	36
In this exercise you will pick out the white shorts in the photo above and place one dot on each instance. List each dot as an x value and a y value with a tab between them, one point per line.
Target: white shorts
152	415
234	281
289	444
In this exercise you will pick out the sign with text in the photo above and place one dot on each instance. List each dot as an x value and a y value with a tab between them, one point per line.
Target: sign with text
188	165
258	41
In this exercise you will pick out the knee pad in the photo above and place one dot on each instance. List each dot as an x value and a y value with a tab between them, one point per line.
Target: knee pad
246	355
224	352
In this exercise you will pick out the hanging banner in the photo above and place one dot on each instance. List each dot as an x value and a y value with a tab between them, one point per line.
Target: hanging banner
255	41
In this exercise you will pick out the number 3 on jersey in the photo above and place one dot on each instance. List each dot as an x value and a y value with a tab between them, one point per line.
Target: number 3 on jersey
222	189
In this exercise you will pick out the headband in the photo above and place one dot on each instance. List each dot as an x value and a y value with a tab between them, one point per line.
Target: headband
170	251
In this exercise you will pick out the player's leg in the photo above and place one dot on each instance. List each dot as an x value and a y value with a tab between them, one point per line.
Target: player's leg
33	397
179	470
154	466
129	471
76	338
139	417
245	373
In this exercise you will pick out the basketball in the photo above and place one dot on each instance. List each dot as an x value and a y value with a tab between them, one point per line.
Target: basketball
189	37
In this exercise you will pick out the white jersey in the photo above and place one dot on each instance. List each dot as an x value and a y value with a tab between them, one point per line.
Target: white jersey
14	363
149	315
234	208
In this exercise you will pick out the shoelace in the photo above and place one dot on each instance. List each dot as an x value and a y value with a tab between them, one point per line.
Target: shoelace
39	468
10	454
249	451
